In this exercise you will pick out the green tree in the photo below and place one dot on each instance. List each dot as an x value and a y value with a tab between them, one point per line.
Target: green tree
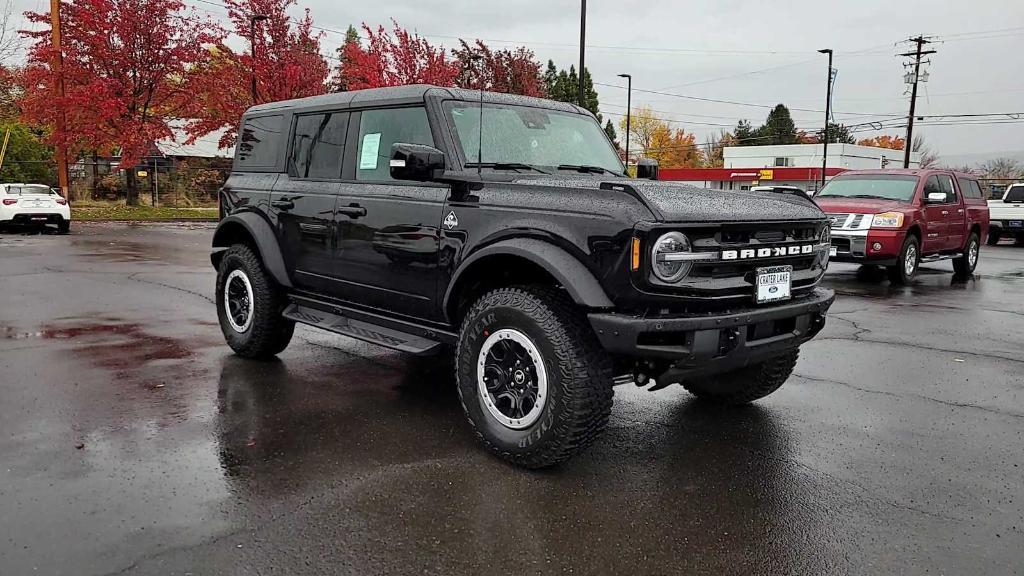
609	129
27	158
564	86
339	82
551	79
744	134
837	134
779	127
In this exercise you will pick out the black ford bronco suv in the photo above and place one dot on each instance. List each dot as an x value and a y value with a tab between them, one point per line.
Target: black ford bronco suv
503	230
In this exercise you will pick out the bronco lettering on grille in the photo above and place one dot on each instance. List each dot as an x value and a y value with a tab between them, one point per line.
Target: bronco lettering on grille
775	252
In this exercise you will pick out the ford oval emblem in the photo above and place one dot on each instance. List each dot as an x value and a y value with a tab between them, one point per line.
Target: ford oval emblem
773	289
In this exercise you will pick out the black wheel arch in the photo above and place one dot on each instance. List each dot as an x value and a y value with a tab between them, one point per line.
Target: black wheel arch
563	268
253	230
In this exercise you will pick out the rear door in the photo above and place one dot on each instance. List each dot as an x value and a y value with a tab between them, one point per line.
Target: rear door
935	235
388	230
303	200
956	216
975	204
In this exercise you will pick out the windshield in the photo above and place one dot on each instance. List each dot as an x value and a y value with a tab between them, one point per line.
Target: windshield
525	139
881	186
29	189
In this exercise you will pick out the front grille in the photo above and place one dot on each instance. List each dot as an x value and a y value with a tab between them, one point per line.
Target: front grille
732	279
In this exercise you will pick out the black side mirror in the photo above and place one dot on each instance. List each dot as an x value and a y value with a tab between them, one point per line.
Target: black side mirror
416	162
647	169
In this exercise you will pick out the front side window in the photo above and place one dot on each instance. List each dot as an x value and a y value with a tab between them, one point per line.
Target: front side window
880	186
523	139
379	129
260	141
318	145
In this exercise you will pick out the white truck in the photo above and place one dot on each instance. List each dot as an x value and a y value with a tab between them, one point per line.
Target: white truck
1006	216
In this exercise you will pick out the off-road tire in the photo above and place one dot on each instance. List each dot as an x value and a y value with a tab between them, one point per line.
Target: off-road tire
962	266
993	238
269	332
64	227
580	374
747	384
898	273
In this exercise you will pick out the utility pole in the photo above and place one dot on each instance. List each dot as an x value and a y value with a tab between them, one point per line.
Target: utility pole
828	114
253	19
913	80
58	72
629	111
583	49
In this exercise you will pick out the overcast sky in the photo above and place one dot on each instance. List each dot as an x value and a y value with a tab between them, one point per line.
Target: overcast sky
748	51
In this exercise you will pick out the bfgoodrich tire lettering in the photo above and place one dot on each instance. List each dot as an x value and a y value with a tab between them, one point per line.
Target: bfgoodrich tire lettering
746	384
267	332
579	375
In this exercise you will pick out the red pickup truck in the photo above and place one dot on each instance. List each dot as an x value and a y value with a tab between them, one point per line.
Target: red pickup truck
900	218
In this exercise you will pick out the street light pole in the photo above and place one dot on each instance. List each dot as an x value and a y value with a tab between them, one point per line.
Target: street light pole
253	19
629	110
583	49
828	114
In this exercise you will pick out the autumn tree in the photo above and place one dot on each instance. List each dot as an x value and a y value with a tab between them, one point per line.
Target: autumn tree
123	61
396	59
338	81
287	65
509	71
883	141
642	126
715	145
656	139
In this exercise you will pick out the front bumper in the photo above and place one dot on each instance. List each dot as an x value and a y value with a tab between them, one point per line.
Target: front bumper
717	342
860	245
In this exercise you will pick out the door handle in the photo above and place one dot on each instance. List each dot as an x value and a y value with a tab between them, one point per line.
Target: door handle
352	211
960	211
945	212
282	204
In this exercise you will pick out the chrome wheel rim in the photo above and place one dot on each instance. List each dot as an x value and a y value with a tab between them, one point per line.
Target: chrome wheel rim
972	255
238	301
910	262
512	383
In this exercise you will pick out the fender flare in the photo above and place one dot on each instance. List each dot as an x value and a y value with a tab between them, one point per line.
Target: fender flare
577	280
263	237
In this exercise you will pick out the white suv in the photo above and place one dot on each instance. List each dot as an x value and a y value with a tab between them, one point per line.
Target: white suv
33	204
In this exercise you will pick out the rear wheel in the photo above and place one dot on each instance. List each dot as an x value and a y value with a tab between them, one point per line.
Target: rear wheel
533	380
906	265
968	261
64	226
746	384
249	306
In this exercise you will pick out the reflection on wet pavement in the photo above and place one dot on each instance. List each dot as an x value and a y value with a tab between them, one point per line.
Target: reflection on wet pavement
134	442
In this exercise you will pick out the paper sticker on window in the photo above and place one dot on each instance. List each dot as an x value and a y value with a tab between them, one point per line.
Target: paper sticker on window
369	151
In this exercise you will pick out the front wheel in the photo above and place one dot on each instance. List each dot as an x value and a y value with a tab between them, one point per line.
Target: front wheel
993	237
532	378
747	384
965	264
906	266
249	306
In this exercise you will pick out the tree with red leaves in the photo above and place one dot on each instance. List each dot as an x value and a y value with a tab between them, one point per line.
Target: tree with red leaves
123	61
510	71
287	64
397	60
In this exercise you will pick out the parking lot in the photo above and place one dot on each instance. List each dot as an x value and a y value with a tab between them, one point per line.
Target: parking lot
133	442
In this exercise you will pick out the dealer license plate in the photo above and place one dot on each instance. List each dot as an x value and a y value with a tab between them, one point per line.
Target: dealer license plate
774	283
1016	224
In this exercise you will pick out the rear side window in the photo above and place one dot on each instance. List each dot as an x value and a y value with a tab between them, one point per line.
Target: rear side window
969	188
379	129
260	142
318	145
1015	194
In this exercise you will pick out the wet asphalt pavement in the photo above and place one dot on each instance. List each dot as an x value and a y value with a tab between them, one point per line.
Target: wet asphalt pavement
133	442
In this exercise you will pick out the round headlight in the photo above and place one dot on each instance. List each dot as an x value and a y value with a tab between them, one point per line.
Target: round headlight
667	261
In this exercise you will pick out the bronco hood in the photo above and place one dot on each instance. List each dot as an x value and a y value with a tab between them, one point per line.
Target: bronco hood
675	202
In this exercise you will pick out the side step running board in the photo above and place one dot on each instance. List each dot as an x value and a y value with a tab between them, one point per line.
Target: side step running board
940	257
361	330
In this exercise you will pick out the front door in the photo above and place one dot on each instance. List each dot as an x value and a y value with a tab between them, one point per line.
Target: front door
934	236
388	235
304	199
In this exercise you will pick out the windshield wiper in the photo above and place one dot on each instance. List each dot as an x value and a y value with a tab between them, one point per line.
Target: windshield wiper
587	169
506	166
868	196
